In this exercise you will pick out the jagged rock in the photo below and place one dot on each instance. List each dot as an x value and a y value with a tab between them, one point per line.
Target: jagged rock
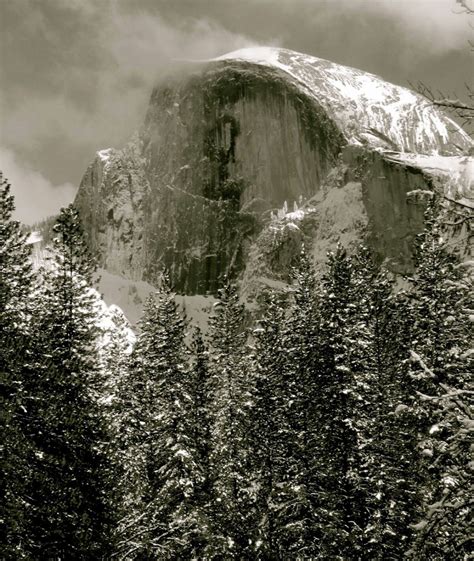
230	145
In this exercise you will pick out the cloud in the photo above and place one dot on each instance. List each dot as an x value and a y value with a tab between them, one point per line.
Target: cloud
90	83
77	79
35	196
435	25
85	73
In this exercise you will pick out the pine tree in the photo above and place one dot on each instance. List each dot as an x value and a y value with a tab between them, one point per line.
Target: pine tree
200	422
267	444
70	515
368	481
296	497
438	293
161	459
387	469
343	337
233	493
440	301
16	279
115	346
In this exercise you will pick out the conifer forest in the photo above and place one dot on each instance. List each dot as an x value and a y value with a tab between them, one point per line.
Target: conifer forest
336	425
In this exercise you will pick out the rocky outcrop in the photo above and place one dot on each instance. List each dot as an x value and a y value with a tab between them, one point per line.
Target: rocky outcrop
242	158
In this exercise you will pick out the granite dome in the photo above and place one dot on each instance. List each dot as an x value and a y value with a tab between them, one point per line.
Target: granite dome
243	158
366	108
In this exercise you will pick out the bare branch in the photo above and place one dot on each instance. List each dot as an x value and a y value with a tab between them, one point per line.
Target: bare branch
465	7
464	205
453	104
461	110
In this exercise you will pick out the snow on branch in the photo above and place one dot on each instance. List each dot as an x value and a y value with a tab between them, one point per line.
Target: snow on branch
415	357
452	103
450	393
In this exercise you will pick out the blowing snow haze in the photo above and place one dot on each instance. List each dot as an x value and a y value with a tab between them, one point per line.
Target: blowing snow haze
76	76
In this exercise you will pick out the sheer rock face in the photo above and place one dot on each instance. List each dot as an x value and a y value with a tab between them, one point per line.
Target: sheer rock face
242	158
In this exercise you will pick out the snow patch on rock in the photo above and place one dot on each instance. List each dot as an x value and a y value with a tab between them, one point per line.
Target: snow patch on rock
104	155
457	172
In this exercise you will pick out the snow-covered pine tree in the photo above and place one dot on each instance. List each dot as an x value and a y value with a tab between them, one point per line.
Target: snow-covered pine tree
200	423
115	346
16	280
70	484
232	506
267	428
343	384
368	468
440	304
438	291
295	500
386	441
161	461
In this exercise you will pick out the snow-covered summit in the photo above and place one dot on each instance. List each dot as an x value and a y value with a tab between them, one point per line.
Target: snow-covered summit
366	108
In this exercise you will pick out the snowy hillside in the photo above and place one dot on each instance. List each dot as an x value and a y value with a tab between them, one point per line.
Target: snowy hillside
130	297
457	173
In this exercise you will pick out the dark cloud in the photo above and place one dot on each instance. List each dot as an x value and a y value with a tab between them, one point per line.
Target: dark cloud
76	74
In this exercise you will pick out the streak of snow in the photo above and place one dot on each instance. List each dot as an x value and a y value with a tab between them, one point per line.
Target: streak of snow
421	192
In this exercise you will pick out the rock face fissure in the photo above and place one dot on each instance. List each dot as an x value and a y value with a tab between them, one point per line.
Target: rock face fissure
261	143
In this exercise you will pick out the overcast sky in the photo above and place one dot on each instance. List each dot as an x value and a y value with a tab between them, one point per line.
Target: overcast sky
75	75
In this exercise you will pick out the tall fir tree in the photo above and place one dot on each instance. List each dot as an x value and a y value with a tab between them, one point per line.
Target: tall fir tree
296	497
439	301
70	514
266	442
367	446
16	279
200	393
343	337
116	341
387	469
232	505
162	463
